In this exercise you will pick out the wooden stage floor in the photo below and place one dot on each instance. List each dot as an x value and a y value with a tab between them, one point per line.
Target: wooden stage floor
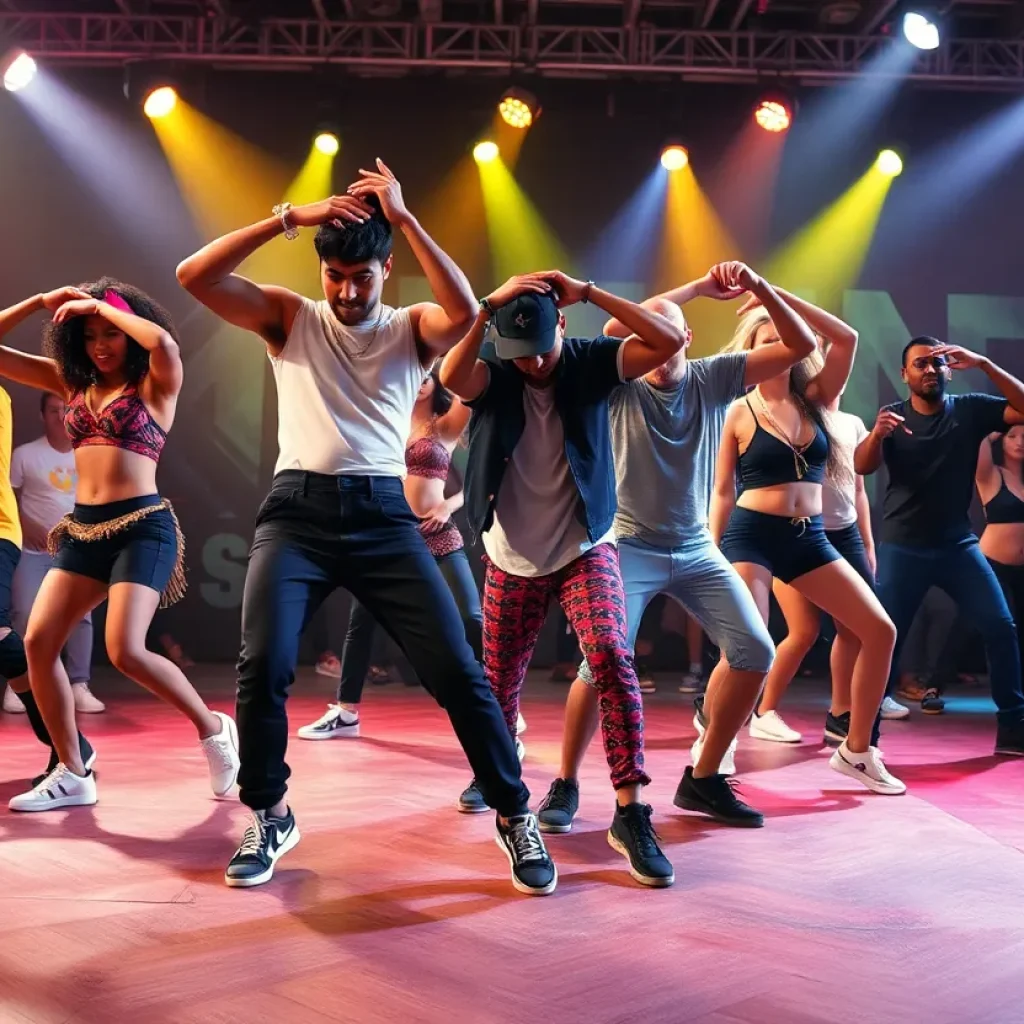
394	908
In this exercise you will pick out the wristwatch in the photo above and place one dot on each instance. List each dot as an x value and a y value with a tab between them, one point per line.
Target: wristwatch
586	291
487	308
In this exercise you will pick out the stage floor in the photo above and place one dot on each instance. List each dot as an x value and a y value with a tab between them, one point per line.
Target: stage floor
395	908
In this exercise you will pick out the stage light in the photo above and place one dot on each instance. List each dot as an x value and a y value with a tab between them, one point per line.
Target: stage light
921	30
18	70
773	115
518	107
889	163
160	102
674	158
327	143
485	152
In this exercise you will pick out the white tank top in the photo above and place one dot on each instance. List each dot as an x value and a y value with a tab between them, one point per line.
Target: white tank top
345	394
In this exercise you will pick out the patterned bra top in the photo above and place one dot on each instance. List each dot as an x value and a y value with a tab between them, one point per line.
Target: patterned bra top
428	458
124	422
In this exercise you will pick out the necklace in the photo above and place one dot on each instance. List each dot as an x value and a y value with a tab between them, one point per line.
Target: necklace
373	336
799	461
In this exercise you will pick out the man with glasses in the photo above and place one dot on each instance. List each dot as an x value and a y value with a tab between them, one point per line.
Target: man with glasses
929	444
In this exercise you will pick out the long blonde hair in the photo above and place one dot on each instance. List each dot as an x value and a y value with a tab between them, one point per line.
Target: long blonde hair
800	376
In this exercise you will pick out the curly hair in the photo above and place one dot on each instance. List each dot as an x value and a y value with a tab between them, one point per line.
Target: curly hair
65	343
800	376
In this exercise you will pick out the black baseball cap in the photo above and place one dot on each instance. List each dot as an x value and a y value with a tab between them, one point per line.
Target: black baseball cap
526	326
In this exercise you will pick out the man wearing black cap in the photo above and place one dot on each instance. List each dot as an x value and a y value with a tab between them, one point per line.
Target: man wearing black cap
540	489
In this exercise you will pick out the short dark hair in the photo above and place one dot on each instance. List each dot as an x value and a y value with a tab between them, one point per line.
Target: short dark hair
65	343
922	339
45	397
356	243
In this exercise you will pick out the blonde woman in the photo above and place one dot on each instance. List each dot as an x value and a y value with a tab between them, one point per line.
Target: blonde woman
777	443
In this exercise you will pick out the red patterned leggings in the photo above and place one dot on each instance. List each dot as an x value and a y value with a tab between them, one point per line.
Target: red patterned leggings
590	593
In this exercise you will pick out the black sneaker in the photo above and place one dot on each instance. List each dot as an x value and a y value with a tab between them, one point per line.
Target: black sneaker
932	703
715	797
837	728
633	835
88	759
471	800
1010	740
265	841
700	722
559	807
533	871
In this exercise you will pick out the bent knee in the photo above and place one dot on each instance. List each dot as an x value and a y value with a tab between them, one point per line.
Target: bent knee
750	654
42	644
128	659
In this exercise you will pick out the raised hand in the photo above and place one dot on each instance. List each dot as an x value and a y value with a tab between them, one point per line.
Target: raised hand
887	422
568	291
77	307
336	209
958	358
734	278
516	286
385	186
713	285
59	296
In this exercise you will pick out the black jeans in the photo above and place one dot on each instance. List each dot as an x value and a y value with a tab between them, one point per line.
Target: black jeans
315	533
1011	579
355	656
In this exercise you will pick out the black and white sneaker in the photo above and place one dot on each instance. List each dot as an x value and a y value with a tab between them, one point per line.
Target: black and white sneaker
533	871
61	788
264	842
633	835
1010	740
88	759
837	728
337	723
471	800
559	807
715	797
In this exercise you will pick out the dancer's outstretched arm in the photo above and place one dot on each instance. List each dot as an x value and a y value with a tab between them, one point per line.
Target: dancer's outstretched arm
34	371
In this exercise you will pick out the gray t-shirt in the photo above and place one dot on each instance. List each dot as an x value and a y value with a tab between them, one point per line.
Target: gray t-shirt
666	442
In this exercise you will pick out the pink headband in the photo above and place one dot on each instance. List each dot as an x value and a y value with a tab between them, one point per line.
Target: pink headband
111	298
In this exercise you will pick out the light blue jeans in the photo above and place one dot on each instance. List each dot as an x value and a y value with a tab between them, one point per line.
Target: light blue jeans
698	577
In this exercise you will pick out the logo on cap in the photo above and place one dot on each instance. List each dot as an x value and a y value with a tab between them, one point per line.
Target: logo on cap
521	320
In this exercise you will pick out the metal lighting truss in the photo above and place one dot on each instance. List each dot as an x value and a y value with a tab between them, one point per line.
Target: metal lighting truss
397	46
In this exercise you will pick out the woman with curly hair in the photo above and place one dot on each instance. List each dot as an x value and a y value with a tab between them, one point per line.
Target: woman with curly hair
112	352
778	442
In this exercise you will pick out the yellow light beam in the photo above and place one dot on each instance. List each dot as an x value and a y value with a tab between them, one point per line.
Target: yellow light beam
314	180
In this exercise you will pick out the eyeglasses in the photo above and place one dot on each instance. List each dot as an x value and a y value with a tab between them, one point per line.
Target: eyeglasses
938	362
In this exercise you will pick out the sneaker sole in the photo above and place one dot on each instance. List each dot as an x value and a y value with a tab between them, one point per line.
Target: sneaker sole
343	732
774	739
248	883
55	805
895	716
651	881
833	738
937	711
233	734
520	886
866	781
327	675
684	804
561	830
1009	752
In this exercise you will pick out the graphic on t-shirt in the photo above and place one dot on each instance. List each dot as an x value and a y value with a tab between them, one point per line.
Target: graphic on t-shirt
63	479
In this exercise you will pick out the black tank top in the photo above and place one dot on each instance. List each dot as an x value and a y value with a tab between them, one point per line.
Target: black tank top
1005	506
769	461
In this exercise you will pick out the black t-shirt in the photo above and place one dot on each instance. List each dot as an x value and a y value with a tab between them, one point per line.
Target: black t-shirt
931	470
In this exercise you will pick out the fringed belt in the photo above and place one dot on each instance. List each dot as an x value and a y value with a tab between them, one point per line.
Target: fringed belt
69	526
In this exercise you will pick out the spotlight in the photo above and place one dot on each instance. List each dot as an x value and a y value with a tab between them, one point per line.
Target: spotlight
921	30
674	158
485	152
18	70
773	115
518	107
327	143
889	163
160	102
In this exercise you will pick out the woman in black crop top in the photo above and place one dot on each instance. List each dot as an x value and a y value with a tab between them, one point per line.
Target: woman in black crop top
776	443
1000	481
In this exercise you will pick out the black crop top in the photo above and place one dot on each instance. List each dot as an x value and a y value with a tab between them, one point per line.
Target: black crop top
769	461
1005	506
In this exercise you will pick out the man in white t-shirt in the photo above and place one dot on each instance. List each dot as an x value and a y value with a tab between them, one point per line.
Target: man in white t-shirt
43	477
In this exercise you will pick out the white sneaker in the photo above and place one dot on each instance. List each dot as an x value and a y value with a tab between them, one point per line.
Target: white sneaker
770	726
728	765
12	703
520	750
222	756
85	702
61	788
647	685
520	725
868	769
337	723
893	711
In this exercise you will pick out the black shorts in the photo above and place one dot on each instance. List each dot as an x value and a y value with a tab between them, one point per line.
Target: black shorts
787	548
849	543
145	552
10	555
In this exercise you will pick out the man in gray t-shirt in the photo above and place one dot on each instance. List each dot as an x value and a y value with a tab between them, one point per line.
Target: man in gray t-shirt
666	428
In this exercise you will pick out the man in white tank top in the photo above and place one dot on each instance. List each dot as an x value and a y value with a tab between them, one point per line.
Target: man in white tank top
348	369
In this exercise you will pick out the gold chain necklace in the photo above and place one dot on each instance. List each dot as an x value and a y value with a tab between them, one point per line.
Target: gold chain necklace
799	461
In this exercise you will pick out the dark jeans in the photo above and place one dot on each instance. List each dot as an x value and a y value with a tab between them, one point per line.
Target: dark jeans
959	568
355	657
1011	579
315	533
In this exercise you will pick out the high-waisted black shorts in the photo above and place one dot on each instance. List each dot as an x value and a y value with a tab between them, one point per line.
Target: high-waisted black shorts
145	552
787	548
